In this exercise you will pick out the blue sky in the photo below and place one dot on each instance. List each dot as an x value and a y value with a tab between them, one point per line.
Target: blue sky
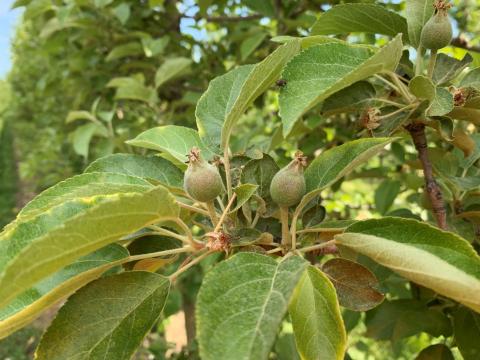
8	20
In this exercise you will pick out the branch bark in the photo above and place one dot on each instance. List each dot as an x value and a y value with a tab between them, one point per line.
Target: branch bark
220	19
417	131
463	43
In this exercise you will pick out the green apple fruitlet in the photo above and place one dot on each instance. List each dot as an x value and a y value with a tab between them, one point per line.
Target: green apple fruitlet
202	181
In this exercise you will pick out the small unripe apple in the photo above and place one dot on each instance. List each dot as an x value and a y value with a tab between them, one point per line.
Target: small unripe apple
437	32
202	181
288	185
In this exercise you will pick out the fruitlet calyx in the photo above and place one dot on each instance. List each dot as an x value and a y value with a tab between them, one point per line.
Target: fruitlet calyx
202	181
288	185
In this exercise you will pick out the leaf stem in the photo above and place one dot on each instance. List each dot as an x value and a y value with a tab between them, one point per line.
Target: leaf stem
225	212
195	261
401	86
285	232
317	247
393	113
431	63
161	231
161	253
188	233
386	101
192	208
273	251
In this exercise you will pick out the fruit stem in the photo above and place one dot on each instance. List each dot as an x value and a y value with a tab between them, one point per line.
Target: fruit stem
401	86
285	231
418	60
226	164
393	113
161	231
225	212
212	212
431	63
188	233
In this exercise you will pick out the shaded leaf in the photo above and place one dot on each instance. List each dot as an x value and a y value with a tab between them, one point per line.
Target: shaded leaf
133	48
352	98
385	195
244	193
317	322
472	79
260	172
239	312
356	285
436	259
447	68
104	320
369	18
467	332
84	134
174	140
435	352
79	115
251	43
397	319
152	168
320	71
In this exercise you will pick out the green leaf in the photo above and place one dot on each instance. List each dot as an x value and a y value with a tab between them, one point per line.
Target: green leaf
435	352
30	304
320	71
82	136
264	7
71	230
241	305
466	326
422	87
468	112
83	186
260	172
397	319
171	69
244	193
153	47
339	161
103	320
418	12
472	79
352	98
122	12
228	96
152	168
436	259
447	68
356	286
137	92
385	195
369	18
80	115
121	51
249	45
442	104
317	322
177	141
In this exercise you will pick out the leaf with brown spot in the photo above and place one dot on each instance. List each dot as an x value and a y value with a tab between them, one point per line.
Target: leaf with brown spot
356	285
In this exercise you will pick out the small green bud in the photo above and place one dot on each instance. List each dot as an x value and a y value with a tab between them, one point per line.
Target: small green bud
202	181
437	32
288	185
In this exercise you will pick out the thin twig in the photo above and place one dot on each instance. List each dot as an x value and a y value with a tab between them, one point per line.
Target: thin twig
417	131
224	18
386	101
161	253
161	231
393	113
190	264
462	43
225	212
228	175
188	233
273	251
